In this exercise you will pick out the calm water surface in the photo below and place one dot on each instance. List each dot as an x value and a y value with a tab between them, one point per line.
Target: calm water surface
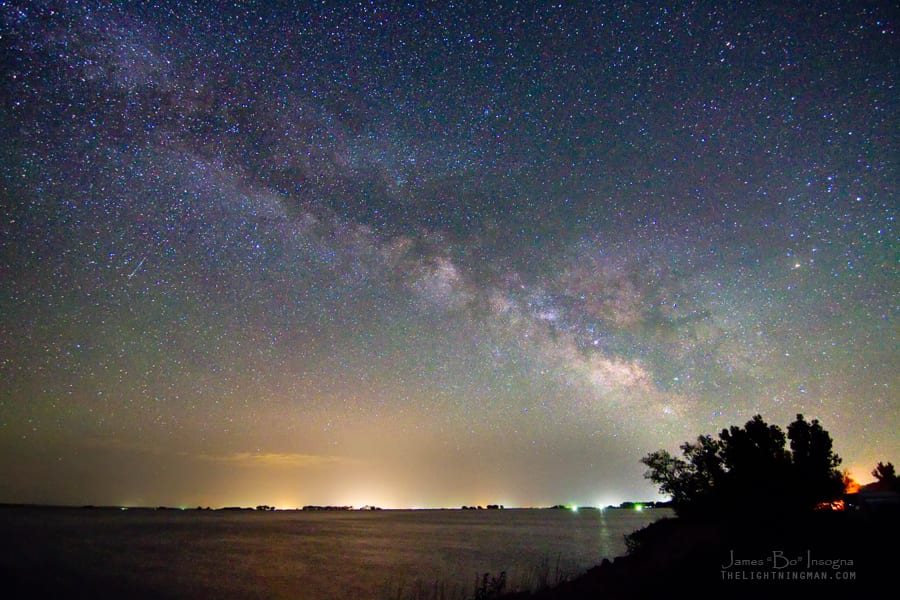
308	555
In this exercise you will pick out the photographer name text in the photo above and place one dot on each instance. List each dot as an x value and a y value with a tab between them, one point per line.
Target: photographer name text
778	559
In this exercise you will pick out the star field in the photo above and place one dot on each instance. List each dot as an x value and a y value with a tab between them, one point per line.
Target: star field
383	253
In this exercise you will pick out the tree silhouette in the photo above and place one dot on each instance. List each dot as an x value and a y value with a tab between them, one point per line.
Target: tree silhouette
755	463
748	468
885	472
886	476
689	482
814	472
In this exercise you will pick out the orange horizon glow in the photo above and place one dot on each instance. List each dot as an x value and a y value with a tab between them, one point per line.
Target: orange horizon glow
852	486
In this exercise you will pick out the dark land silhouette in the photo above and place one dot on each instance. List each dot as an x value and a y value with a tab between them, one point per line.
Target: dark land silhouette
755	520
821	555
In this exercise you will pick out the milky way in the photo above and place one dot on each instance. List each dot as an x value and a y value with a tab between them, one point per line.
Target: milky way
437	255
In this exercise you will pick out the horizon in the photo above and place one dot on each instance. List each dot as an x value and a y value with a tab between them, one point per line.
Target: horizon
252	505
644	505
437	255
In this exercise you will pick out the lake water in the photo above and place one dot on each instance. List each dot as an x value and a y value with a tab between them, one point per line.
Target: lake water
307	555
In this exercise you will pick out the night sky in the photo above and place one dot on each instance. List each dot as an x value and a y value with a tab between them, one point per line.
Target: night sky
439	254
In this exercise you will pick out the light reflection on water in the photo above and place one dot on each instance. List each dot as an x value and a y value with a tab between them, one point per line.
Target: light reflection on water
312	555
